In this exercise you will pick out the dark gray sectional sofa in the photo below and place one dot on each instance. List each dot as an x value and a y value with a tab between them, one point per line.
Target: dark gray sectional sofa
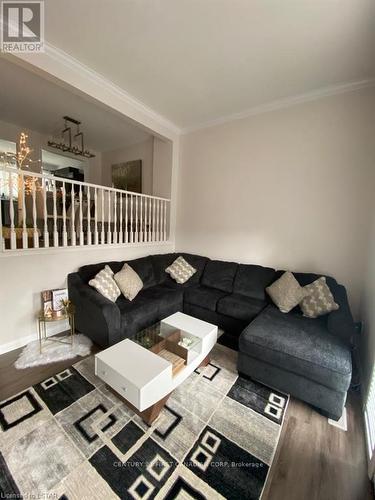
308	358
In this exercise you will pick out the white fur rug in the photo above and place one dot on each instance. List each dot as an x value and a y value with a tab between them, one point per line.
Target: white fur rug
53	352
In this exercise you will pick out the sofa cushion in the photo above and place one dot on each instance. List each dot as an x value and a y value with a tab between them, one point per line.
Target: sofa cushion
252	280
169	300
299	345
160	262
145	270
204	297
91	270
307	278
138	313
219	274
240	307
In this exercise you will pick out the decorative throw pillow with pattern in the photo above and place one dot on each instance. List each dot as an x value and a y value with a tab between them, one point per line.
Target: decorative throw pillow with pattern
105	284
286	292
319	299
129	282
181	271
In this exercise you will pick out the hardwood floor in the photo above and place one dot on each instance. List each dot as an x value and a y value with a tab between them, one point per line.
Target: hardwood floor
314	460
317	461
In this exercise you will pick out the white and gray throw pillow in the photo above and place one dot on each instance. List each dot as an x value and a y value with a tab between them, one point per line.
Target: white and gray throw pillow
319	299
105	284
180	270
286	292
129	282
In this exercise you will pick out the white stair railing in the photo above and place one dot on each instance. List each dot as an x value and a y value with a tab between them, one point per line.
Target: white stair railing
39	211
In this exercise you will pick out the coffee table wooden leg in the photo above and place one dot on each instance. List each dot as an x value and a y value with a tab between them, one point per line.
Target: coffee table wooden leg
153	412
149	415
205	361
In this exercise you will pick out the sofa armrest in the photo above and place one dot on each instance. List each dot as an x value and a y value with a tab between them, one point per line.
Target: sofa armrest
95	316
340	322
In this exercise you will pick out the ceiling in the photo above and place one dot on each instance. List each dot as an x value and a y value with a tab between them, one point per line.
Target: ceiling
36	103
195	61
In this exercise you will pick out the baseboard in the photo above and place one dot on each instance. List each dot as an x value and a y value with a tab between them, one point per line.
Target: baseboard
16	344
53	329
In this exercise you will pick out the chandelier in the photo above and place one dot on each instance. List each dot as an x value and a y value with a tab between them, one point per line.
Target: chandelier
66	144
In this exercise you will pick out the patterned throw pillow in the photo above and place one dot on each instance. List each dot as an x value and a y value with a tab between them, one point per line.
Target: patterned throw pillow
129	282
105	284
181	271
319	300
286	292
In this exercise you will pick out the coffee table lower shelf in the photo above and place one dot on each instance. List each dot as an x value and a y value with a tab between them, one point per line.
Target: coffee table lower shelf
151	413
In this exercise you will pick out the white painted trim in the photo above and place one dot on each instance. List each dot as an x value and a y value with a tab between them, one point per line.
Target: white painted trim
52	329
285	103
63	58
69	70
15	344
56	250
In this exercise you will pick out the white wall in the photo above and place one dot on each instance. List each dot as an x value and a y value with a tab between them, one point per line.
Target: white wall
162	168
289	188
24	276
141	151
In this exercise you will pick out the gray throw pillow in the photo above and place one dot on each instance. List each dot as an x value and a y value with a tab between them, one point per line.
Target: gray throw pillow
286	292
181	271
129	282
105	284
319	299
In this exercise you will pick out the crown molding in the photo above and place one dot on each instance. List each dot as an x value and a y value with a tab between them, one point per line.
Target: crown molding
65	60
285	103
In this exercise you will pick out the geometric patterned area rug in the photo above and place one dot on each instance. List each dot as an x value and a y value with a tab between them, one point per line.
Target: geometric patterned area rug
69	437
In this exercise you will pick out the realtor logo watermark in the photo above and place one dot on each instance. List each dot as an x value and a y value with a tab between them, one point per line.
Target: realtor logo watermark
22	26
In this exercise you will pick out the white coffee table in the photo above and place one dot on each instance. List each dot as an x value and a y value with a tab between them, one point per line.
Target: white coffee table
142	378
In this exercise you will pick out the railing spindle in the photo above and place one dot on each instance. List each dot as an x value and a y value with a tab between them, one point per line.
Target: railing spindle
115	240
109	235
88	216
102	237
126	219
35	232
153	220
136	234
120	235
81	235
64	233
72	217
165	221
55	232
21	182
149	221
131	219
96	235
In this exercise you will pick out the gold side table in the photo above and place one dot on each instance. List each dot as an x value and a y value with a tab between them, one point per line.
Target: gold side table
68	314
